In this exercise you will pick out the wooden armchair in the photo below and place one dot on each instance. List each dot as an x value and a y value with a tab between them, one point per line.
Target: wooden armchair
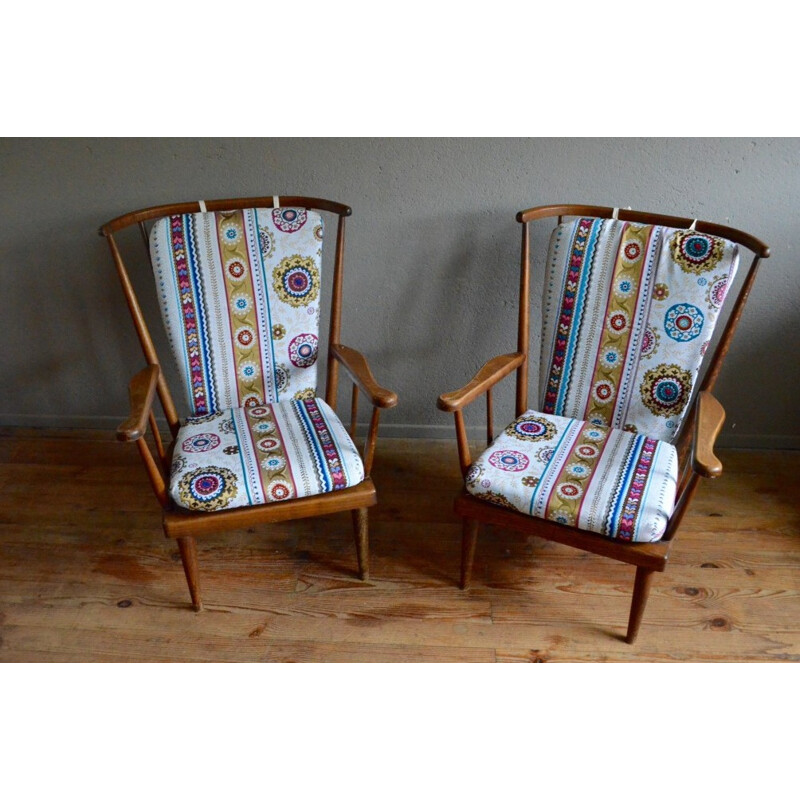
609	459
239	286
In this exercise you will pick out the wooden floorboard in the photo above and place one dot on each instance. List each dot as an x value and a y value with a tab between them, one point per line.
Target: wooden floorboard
86	574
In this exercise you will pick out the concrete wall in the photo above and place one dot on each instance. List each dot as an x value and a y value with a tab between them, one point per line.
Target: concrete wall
432	255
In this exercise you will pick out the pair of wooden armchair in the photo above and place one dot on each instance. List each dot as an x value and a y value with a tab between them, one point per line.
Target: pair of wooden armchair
606	461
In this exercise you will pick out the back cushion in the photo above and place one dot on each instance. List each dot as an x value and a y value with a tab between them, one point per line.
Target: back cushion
628	314
239	294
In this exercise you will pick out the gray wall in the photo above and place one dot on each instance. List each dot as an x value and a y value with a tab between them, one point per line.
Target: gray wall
432	255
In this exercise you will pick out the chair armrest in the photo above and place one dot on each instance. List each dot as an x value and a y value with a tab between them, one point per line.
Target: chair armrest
486	377
358	369
709	421
142	390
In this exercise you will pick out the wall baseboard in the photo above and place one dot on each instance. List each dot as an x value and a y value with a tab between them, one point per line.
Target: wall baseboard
388	430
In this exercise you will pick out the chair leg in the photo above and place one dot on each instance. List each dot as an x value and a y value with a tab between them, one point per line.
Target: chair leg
188	548
641	589
361	531
469	538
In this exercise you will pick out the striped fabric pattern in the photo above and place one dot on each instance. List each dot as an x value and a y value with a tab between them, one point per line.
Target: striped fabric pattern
239	294
628	312
599	479
263	454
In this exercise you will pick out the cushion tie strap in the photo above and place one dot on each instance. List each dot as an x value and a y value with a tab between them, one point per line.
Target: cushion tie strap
693	226
615	214
276	201
202	206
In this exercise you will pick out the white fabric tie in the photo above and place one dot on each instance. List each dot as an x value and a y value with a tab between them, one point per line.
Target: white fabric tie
202	206
693	227
276	201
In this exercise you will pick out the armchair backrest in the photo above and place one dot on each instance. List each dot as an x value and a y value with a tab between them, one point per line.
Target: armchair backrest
630	303
629	310
239	294
228	270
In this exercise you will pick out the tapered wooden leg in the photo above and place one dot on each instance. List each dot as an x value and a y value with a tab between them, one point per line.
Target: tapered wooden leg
361	531
188	549
641	589
469	538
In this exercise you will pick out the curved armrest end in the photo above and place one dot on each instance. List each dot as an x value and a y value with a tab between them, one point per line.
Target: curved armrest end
357	367
709	422
487	376
142	390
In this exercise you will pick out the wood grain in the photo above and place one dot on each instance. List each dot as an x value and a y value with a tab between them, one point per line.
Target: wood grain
87	575
487	376
142	390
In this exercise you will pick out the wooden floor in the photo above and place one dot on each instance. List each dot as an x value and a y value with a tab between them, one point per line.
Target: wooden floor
86	574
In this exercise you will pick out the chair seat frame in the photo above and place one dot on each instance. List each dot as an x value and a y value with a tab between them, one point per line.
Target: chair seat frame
696	440
182	524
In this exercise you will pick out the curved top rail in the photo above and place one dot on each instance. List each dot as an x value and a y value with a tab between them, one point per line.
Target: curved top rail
156	212
740	237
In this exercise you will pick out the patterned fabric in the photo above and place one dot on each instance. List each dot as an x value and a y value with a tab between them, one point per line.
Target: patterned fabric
628	314
262	454
239	293
617	484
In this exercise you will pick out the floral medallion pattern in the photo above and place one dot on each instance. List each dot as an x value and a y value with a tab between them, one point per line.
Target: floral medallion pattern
603	392
296	281
178	464
665	389
282	377
683	322
303	350
696	252
266	238
650	341
532	428
207	488
715	296
200	443
473	476
660	291
289	220
509	460
236	270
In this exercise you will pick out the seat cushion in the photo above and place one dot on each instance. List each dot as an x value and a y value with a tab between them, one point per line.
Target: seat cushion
611	482
263	454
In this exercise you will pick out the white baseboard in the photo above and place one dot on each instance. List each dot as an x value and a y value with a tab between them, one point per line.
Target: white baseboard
388	430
